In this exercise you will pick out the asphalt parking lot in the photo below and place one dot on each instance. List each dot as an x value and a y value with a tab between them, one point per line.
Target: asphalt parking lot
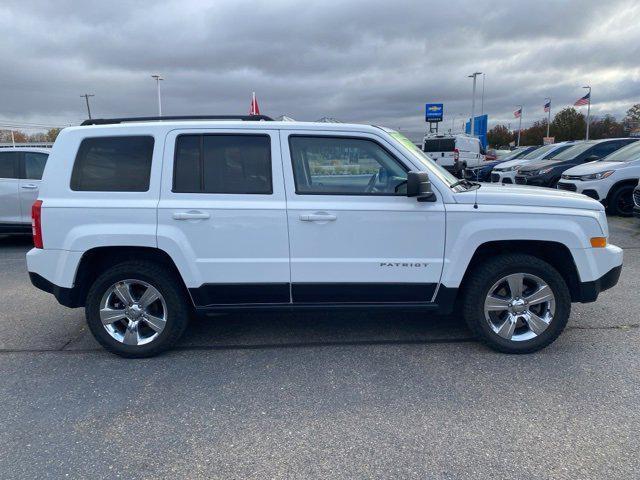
318	395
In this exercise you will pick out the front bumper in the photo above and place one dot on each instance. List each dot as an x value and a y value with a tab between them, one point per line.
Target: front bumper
535	180
589	291
503	176
595	189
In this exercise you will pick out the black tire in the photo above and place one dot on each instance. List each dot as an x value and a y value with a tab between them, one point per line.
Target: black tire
486	274
620	201
178	308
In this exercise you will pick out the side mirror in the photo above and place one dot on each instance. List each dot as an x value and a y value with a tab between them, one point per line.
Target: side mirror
419	186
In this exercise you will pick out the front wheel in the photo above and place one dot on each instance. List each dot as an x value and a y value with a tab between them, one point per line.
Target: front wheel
621	201
516	303
136	309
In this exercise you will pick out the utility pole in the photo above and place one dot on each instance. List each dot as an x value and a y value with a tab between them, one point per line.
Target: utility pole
588	111
158	78
473	103
86	98
548	99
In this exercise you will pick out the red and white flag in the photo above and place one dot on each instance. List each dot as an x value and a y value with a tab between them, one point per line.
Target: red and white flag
583	100
254	109
518	113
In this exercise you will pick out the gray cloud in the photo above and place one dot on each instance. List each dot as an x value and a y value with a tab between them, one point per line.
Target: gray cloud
364	61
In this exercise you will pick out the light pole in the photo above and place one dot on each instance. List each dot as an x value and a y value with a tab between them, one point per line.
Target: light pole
453	119
482	97
473	103
548	99
86	98
158	78
588	110
519	124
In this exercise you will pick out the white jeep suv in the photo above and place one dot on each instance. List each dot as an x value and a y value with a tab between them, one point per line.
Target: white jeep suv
145	223
20	173
610	180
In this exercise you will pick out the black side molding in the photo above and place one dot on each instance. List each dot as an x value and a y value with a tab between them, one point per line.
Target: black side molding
65	296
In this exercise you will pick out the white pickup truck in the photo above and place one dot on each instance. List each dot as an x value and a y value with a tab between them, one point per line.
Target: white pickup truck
146	223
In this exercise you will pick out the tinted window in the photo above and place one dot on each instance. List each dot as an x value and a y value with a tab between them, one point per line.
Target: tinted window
604	149
573	152
344	166
34	165
8	164
439	145
626	154
223	164
113	164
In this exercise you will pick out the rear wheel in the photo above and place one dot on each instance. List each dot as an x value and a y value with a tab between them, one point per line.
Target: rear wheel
136	309
516	303
621	201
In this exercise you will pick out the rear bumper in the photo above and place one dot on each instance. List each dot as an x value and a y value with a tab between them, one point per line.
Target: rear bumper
65	296
589	291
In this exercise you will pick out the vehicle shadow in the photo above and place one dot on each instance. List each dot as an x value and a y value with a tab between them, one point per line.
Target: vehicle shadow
318	329
16	241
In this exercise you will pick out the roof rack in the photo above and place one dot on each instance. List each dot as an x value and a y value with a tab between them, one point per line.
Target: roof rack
110	121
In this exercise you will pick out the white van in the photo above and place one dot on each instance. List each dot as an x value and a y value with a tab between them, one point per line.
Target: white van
453	152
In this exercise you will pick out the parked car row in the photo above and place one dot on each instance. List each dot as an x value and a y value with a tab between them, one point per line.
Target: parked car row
606	170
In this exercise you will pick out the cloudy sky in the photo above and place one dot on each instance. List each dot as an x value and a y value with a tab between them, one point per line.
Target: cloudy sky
361	61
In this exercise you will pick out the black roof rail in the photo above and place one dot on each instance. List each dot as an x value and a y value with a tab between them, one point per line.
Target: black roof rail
110	121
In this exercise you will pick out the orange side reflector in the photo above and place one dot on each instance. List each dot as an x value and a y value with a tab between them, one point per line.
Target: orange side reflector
599	242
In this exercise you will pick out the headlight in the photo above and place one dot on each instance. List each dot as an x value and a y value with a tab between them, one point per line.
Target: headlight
597	176
545	170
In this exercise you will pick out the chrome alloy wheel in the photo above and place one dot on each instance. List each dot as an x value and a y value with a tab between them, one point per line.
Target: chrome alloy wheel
133	312
519	307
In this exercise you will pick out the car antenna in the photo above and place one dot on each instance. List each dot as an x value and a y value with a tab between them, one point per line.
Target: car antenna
475	200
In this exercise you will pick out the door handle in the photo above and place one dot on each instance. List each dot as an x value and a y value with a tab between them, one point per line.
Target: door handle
193	215
30	186
318	217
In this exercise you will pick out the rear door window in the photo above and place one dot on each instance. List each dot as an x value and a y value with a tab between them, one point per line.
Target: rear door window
34	164
221	163
113	164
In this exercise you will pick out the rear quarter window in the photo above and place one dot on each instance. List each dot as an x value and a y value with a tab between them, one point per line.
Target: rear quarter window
113	164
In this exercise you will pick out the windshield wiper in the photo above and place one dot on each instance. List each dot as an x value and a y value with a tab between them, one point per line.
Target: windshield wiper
465	182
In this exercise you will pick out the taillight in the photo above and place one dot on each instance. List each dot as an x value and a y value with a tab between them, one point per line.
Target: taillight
36	223
456	154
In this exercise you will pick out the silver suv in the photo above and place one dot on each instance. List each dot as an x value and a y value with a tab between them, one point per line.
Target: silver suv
20	173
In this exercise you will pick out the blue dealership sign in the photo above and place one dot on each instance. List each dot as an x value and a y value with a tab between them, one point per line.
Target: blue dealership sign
433	112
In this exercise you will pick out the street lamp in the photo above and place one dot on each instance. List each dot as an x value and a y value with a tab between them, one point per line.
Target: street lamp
158	78
473	103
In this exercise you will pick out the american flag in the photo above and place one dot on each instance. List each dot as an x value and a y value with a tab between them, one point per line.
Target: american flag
584	100
518	113
547	106
254	109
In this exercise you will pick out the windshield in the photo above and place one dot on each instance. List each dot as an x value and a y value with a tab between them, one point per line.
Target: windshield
625	154
418	154
538	152
573	152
